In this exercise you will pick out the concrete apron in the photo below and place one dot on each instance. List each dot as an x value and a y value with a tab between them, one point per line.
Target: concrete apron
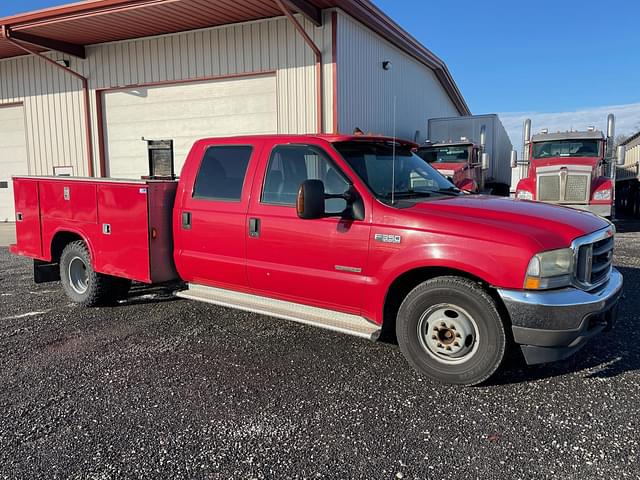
7	233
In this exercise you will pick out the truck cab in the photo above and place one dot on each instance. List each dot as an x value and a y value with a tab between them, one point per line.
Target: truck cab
569	168
460	162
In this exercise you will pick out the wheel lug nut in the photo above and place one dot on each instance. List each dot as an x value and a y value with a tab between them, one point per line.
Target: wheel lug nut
449	348
458	335
434	337
456	344
452	327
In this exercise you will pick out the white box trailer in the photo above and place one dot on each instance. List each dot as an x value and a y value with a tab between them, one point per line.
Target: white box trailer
497	143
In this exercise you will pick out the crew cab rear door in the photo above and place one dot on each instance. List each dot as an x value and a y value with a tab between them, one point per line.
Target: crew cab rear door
318	262
210	238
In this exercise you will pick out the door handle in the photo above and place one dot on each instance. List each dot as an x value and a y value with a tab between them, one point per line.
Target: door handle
186	220
254	227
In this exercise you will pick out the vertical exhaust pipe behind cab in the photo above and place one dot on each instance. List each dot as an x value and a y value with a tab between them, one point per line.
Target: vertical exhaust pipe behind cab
526	148
611	133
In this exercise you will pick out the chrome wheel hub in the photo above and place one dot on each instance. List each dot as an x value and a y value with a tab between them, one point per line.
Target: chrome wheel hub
448	333
78	276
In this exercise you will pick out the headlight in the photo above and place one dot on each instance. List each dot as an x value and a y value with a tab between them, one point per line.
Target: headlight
551	269
524	195
602	195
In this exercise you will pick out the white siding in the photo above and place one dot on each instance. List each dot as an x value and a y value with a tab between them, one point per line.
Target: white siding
13	156
366	92
54	103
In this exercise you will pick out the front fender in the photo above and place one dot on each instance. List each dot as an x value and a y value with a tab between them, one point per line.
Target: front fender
526	185
495	264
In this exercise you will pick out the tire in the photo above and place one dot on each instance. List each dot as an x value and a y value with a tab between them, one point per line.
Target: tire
467	354
82	284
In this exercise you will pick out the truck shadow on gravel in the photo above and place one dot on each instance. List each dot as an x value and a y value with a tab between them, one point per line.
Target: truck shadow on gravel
141	294
614	353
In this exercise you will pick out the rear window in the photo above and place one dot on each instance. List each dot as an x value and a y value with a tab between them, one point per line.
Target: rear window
222	172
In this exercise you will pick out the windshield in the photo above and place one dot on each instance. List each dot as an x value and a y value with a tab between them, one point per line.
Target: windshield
414	178
458	154
567	148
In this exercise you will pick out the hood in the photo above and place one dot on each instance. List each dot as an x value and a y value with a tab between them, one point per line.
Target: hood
564	161
506	220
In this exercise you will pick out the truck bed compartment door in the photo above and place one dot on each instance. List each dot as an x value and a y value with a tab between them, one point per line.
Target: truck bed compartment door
28	233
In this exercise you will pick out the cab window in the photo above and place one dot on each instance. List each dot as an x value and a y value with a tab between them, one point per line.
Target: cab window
222	173
290	165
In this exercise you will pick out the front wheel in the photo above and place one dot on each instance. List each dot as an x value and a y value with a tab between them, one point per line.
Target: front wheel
449	329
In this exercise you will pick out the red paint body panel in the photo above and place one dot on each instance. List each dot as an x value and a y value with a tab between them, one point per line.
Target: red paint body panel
330	263
28	234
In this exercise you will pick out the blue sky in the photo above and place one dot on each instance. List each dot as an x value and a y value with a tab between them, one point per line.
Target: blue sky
524	58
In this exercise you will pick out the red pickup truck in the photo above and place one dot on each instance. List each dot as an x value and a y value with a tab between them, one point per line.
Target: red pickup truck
356	234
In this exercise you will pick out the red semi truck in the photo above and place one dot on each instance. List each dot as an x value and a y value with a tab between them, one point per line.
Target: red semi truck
354	234
574	168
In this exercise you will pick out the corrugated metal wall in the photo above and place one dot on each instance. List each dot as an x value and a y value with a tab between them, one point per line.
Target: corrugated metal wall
366	92
631	161
53	100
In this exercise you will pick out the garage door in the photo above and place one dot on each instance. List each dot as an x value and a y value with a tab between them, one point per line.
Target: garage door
13	156
184	113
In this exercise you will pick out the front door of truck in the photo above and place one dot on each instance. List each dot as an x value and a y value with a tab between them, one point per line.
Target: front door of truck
320	262
210	247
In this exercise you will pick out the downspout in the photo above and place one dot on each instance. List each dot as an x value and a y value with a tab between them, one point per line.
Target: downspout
318	56
85	89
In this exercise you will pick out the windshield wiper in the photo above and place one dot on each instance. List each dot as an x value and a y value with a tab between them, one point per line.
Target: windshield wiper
452	191
407	194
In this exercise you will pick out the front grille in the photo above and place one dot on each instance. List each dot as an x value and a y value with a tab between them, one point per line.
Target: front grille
576	189
563	188
594	262
549	188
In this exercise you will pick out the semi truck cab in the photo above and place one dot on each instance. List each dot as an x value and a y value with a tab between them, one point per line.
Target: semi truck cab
573	169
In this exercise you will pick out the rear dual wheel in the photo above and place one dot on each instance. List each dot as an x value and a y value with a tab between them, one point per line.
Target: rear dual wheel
85	286
449	329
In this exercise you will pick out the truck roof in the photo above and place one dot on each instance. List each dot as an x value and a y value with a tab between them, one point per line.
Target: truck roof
549	137
328	137
443	143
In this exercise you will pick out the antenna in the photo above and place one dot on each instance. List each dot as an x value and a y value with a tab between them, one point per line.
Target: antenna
393	156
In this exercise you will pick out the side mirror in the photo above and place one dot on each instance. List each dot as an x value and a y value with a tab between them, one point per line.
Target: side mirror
310	200
514	159
485	161
621	153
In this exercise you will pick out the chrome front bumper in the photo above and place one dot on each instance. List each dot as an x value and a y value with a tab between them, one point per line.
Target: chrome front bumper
600	210
552	325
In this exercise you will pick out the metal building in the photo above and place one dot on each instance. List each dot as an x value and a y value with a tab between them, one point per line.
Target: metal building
81	85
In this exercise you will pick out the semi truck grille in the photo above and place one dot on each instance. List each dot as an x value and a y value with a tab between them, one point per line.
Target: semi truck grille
576	189
549	188
594	262
563	188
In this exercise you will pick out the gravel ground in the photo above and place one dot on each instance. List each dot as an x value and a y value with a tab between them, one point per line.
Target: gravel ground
159	387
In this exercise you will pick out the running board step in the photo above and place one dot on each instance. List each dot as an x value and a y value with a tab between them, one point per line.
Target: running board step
318	317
